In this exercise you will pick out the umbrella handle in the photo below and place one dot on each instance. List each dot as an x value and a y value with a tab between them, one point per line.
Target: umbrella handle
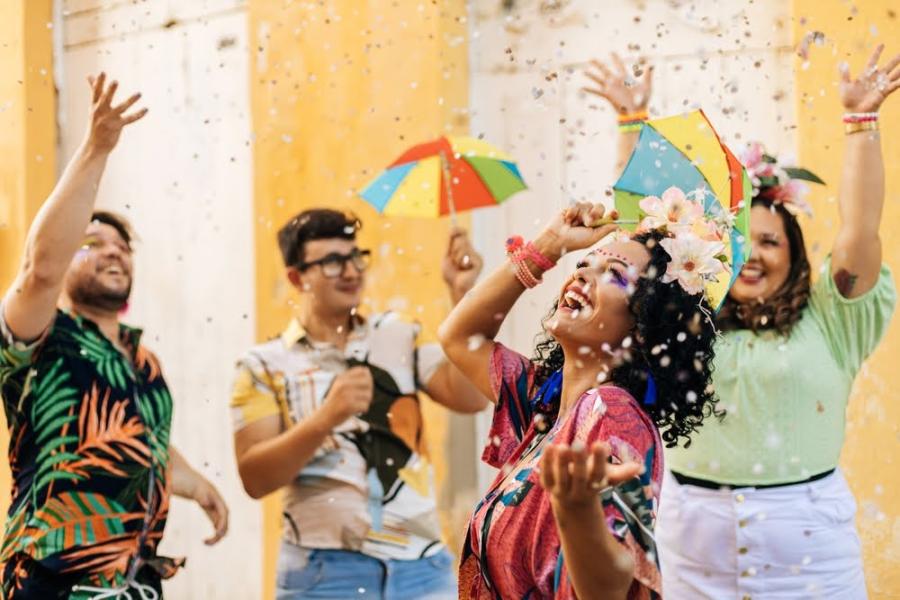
445	167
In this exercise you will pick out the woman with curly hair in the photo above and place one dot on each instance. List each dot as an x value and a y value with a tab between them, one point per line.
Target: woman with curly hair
757	506
572	511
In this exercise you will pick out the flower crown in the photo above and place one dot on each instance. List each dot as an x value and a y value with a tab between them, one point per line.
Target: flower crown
695	240
773	180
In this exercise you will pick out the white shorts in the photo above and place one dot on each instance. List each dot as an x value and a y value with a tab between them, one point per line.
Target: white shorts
796	541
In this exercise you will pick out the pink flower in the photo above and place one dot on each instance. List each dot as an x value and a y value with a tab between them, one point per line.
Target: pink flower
752	155
790	195
694	261
673	211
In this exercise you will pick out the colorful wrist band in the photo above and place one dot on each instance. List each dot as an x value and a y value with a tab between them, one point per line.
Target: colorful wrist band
630	127
860	126
638	116
860	117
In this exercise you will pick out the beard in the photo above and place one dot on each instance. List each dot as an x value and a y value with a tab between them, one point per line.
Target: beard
91	292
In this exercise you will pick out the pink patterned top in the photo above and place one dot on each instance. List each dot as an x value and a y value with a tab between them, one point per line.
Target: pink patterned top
512	550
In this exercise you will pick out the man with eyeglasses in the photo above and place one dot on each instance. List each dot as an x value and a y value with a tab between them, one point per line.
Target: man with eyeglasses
329	412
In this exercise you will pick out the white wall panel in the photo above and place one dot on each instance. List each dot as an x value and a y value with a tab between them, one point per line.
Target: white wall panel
183	176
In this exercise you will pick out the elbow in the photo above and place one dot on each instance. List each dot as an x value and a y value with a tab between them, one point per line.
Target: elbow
39	272
252	483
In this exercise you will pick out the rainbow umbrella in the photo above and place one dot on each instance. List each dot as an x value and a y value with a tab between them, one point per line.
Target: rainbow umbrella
444	176
686	152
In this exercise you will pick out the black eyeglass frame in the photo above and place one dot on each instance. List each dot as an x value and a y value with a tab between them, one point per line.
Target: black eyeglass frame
360	259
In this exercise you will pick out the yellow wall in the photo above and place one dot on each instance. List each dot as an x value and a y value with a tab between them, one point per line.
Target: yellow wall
27	142
872	453
337	91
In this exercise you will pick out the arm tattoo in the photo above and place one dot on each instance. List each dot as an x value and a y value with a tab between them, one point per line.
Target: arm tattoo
845	280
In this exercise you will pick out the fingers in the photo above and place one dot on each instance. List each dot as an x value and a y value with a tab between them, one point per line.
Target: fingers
578	468
561	473
106	98
604	70
891	69
647	78
97	85
873	60
217	512
121	108
548	476
618	474
844	70
586	214
137	116
599	452
619	64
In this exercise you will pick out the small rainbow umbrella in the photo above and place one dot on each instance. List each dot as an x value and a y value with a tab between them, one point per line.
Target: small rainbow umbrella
685	151
444	176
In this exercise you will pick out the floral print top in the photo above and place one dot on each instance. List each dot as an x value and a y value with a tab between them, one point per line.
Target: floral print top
89	447
512	551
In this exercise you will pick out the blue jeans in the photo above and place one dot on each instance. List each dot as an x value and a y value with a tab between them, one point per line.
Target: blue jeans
341	575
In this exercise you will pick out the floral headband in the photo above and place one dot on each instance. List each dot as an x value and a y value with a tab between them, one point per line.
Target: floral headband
775	181
695	240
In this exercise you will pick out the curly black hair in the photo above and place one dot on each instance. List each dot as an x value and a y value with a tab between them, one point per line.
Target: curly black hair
672	340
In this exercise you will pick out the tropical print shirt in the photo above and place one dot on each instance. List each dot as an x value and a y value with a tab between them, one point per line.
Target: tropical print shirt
89	438
513	549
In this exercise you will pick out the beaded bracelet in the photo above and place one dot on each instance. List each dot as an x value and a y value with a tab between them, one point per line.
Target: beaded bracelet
860	117
518	252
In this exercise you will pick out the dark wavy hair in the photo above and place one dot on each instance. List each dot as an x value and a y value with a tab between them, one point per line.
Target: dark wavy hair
782	311
672	340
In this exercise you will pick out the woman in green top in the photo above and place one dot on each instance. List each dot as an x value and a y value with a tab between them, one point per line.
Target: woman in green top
756	506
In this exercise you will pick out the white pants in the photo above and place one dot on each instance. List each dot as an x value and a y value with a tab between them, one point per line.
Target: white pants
791	542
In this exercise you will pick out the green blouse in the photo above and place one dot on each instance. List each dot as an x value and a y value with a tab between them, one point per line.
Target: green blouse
786	398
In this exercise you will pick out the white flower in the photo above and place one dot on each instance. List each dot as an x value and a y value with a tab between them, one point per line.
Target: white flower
694	261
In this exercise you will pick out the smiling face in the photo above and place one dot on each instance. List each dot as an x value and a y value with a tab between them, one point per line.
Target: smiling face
770	259
329	295
593	307
100	274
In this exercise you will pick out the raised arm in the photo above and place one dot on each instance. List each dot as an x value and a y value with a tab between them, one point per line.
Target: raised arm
467	335
58	229
856	255
628	94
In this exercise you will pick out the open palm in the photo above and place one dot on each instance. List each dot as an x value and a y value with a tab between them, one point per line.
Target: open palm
627	92
867	92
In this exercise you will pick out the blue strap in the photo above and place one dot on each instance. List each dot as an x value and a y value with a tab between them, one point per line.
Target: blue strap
550	391
650	394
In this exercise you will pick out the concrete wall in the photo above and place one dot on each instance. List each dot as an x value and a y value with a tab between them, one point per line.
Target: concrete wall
872	454
184	177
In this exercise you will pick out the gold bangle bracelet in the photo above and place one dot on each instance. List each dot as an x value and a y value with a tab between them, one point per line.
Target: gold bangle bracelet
862	126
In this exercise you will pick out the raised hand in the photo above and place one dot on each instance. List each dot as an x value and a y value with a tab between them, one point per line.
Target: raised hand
628	92
574	476
870	89
461	264
579	226
107	119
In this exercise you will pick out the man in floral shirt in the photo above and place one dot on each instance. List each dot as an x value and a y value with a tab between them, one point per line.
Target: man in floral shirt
88	409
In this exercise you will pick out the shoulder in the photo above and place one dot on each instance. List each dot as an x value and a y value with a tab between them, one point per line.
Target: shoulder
264	353
612	412
392	321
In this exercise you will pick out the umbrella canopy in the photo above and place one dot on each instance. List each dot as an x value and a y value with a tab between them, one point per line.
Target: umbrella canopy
444	176
684	151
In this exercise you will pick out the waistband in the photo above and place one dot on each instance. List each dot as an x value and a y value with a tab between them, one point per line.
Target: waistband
714	485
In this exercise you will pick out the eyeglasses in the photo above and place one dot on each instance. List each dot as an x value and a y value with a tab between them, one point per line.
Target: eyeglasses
333	264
